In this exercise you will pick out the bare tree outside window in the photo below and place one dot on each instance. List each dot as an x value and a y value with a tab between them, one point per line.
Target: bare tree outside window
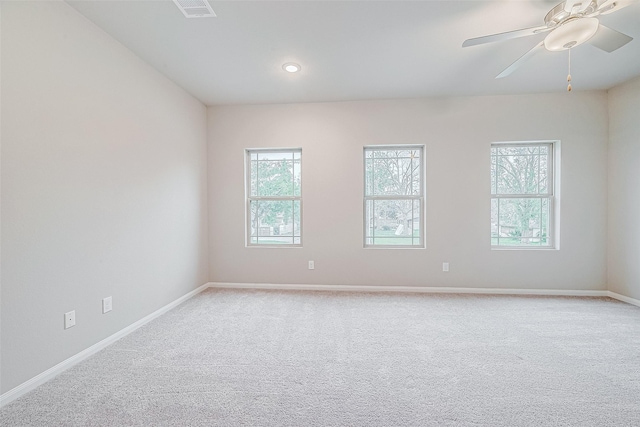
394	196
522	191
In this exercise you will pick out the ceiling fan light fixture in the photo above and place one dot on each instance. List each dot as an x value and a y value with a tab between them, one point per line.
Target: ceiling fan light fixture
572	33
291	67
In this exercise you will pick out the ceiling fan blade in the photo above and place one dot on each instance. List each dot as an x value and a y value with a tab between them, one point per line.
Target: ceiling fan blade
506	36
610	6
524	58
608	39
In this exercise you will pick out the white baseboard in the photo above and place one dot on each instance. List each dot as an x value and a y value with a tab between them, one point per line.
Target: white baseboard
417	289
623	298
45	376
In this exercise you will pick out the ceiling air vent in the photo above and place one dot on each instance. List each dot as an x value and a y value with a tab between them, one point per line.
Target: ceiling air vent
195	8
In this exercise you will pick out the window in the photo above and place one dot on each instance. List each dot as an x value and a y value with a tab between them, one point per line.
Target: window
274	197
522	195
393	196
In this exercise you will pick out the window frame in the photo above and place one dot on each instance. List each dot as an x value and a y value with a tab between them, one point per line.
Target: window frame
249	198
551	194
420	197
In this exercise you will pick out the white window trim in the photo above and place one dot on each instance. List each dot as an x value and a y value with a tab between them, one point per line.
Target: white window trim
249	197
553	194
420	197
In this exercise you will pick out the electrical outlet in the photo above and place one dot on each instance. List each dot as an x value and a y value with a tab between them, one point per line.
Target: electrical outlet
107	305
69	319
311	265
445	267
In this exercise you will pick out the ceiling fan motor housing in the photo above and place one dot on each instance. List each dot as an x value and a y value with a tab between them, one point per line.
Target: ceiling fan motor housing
558	14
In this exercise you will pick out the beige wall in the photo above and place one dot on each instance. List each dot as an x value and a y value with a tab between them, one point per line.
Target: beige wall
103	187
624	193
457	133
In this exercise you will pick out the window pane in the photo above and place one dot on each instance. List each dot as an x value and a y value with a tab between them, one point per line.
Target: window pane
368	175
296	177
520	169
519	150
370	223
415	222
393	222
255	173
393	172
273	178
385	180
275	174
493	173
545	214
415	171
494	222
521	222
544	168
275	221
275	155
294	227
518	174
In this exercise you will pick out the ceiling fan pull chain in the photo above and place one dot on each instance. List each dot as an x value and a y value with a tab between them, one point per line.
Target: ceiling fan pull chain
569	75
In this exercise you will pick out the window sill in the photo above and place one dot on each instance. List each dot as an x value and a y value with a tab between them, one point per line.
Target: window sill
394	247
273	246
522	248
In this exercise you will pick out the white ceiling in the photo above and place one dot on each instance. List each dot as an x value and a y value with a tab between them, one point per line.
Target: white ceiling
354	50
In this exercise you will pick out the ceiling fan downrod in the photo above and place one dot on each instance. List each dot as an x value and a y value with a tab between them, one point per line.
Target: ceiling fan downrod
569	75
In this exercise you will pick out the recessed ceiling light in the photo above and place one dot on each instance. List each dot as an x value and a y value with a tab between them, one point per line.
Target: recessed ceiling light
291	67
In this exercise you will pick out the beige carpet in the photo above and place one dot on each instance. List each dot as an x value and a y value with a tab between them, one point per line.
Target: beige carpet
275	358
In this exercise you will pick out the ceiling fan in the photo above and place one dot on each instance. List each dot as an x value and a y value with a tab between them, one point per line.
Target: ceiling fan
569	24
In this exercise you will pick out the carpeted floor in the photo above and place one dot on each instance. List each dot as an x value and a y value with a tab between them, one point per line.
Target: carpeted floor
277	358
